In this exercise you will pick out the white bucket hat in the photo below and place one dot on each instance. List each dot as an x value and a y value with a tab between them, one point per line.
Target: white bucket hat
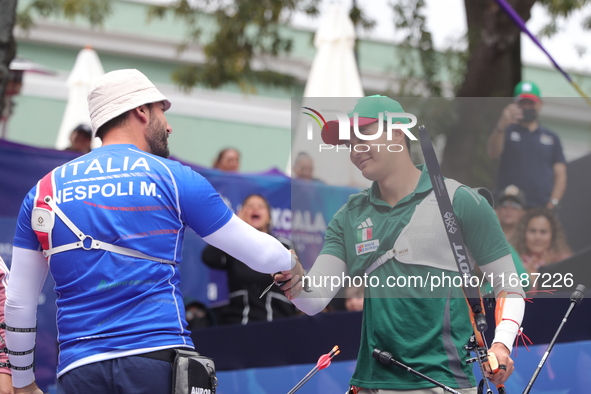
120	91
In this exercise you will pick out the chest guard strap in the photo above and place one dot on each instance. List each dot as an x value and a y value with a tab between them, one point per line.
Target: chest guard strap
423	240
45	201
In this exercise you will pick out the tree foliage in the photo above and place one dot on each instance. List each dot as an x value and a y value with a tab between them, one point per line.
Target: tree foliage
245	35
493	69
419	68
7	44
243	31
94	11
489	66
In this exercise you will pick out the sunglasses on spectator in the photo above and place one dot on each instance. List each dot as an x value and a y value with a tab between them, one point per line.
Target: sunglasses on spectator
511	204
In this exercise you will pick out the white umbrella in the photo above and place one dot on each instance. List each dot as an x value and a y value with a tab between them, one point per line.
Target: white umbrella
334	70
86	71
333	73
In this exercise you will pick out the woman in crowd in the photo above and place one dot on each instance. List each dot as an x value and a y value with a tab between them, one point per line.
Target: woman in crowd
228	160
244	284
539	239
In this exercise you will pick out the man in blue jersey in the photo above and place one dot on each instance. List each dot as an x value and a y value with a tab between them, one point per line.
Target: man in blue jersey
109	226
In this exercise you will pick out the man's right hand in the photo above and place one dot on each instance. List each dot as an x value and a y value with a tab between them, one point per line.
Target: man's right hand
292	278
496	142
512	114
30	389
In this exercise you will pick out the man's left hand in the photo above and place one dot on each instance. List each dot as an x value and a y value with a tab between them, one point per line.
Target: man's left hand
504	359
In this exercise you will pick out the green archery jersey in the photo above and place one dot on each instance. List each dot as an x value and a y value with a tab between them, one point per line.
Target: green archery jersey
423	328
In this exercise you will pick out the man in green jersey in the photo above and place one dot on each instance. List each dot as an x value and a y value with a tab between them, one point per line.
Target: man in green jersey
392	235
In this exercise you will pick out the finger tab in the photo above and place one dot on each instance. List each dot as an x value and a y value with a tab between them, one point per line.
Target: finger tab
493	362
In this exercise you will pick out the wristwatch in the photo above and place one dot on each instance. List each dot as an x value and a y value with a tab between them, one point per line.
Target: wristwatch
554	201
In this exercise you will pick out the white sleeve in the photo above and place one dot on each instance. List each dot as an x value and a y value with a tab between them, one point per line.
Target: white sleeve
258	250
514	304
28	272
324	281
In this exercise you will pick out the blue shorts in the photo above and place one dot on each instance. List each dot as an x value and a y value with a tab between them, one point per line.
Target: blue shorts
126	375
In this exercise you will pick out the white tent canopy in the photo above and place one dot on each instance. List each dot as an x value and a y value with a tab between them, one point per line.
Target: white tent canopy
333	74
86	71
334	70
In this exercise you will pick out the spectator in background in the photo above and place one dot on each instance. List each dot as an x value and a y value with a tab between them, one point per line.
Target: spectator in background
354	298
244	284
303	167
80	139
510	207
14	84
531	155
228	160
540	240
198	315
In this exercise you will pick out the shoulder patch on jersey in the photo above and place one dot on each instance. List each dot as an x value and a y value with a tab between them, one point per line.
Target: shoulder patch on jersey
41	220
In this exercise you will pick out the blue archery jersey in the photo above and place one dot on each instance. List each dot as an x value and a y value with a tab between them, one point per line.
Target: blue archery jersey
110	304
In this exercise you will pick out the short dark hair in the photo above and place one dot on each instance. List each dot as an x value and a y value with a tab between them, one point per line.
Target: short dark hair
84	130
111	124
116	122
406	138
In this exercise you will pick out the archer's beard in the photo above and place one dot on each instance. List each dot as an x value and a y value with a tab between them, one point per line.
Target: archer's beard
157	140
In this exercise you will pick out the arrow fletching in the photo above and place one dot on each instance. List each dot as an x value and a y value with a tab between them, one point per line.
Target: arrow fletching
323	362
325	359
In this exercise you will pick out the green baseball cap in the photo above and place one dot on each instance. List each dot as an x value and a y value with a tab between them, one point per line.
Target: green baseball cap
527	90
368	110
